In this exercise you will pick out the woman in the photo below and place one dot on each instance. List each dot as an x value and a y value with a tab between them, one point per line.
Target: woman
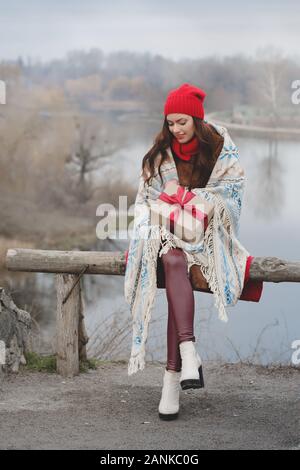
202	158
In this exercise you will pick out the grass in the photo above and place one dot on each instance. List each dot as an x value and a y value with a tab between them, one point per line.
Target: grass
42	363
92	363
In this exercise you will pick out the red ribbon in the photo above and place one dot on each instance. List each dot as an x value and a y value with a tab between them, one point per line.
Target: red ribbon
181	201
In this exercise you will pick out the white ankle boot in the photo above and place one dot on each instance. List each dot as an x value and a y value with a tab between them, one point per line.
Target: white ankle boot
169	403
191	373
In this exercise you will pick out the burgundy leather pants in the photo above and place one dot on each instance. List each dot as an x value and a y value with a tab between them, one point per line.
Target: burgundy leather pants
181	305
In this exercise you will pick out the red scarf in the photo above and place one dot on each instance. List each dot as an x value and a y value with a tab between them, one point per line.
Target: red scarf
186	150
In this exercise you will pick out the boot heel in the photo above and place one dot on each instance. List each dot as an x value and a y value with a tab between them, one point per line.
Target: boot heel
168	416
193	383
190	383
201	378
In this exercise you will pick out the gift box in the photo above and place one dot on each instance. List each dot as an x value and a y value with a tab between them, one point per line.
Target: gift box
181	211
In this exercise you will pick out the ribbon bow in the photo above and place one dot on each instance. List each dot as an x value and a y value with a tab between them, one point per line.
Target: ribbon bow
181	199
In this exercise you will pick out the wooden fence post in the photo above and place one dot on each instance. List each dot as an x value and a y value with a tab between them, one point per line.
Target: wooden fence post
82	334
67	324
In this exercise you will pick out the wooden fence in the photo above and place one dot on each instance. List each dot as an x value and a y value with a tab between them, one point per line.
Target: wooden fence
70	266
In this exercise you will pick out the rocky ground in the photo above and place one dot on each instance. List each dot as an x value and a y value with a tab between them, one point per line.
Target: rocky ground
241	407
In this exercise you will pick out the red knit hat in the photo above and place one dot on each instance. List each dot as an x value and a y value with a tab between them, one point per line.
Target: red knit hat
186	99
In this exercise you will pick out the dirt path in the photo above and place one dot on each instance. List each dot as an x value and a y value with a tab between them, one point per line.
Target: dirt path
242	407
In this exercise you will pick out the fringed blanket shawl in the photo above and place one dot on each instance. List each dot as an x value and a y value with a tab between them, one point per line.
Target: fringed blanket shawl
220	255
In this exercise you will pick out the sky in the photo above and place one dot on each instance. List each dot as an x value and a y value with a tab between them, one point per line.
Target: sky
176	29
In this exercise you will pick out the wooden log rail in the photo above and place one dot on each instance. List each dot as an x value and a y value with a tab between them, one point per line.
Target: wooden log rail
70	266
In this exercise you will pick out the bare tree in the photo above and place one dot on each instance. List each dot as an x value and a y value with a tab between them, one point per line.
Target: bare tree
90	153
272	68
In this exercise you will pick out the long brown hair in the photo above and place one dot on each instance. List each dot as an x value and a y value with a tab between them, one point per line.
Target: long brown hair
204	160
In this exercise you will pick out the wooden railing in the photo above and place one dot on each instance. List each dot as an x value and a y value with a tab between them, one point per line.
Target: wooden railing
70	266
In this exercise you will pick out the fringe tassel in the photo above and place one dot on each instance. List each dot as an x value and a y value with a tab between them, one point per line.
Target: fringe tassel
209	272
169	241
152	244
137	360
136	363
